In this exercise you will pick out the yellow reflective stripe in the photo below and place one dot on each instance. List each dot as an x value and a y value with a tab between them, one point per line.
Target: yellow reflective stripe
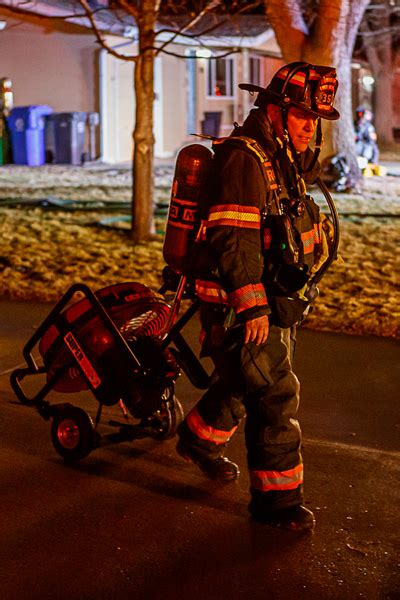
228	214
234	215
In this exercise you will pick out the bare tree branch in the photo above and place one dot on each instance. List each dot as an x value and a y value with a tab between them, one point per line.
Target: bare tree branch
210	6
192	35
99	37
228	53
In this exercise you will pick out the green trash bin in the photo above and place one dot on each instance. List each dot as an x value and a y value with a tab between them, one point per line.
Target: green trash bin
5	145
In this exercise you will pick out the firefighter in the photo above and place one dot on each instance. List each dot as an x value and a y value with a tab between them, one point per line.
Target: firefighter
366	138
264	239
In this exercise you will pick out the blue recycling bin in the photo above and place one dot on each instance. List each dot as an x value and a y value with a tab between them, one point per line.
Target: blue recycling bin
26	125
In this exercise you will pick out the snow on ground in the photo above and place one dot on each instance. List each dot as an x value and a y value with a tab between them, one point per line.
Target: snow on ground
43	250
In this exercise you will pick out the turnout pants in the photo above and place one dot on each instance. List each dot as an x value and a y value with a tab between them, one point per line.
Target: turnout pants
256	381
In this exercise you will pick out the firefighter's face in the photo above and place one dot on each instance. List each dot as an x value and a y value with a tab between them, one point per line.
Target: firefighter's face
301	125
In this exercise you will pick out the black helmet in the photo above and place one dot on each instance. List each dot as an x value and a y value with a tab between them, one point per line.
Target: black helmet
309	87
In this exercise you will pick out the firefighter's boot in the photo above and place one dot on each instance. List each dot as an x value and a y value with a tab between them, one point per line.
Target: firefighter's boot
220	468
294	518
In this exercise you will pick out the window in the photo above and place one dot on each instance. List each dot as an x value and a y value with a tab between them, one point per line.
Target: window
255	70
220	77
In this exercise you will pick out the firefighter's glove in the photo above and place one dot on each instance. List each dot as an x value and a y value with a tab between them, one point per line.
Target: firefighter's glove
256	330
327	228
321	251
323	248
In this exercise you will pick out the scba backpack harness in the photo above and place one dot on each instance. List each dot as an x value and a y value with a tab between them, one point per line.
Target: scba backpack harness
191	196
190	201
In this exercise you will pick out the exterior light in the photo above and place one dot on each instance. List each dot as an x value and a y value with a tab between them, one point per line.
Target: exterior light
368	81
203	53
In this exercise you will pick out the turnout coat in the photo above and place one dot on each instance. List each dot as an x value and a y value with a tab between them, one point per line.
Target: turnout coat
253	179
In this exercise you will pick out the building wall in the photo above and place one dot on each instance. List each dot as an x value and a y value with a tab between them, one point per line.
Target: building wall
49	64
235	108
270	65
117	114
224	105
172	96
118	103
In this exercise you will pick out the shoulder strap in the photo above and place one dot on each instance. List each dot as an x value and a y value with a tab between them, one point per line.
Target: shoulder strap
252	147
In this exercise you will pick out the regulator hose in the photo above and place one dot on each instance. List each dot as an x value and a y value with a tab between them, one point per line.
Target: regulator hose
336	227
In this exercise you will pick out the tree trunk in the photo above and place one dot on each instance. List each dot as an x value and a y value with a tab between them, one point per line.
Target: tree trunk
143	186
380	57
343	136
384	104
329	41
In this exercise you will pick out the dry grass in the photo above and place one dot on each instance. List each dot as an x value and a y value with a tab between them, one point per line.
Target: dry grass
43	252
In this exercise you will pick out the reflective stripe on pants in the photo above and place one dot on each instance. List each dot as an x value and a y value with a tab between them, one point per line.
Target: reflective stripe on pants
198	426
265	481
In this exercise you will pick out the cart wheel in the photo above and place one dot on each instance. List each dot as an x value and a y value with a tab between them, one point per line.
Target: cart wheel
72	433
164	421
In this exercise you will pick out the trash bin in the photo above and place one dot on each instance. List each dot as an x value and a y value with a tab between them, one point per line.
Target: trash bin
211	123
5	146
26	125
50	139
69	136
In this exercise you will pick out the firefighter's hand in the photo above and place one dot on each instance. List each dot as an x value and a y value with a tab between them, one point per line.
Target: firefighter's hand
256	330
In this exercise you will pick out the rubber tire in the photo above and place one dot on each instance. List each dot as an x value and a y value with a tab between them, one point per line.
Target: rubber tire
165	422
85	442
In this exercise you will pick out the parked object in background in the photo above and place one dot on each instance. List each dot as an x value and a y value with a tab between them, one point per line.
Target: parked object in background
65	138
6	104
211	123
335	172
5	145
27	124
370	169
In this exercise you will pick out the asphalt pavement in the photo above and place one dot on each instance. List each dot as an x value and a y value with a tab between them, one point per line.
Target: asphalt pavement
134	521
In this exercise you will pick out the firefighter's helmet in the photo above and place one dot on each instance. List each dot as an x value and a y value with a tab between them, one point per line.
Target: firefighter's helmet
363	112
309	87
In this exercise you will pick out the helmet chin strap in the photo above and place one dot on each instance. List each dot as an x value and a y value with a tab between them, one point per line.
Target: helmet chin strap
319	141
288	150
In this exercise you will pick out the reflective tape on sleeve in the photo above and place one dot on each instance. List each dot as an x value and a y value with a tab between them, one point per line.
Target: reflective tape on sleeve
210	291
248	296
234	215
